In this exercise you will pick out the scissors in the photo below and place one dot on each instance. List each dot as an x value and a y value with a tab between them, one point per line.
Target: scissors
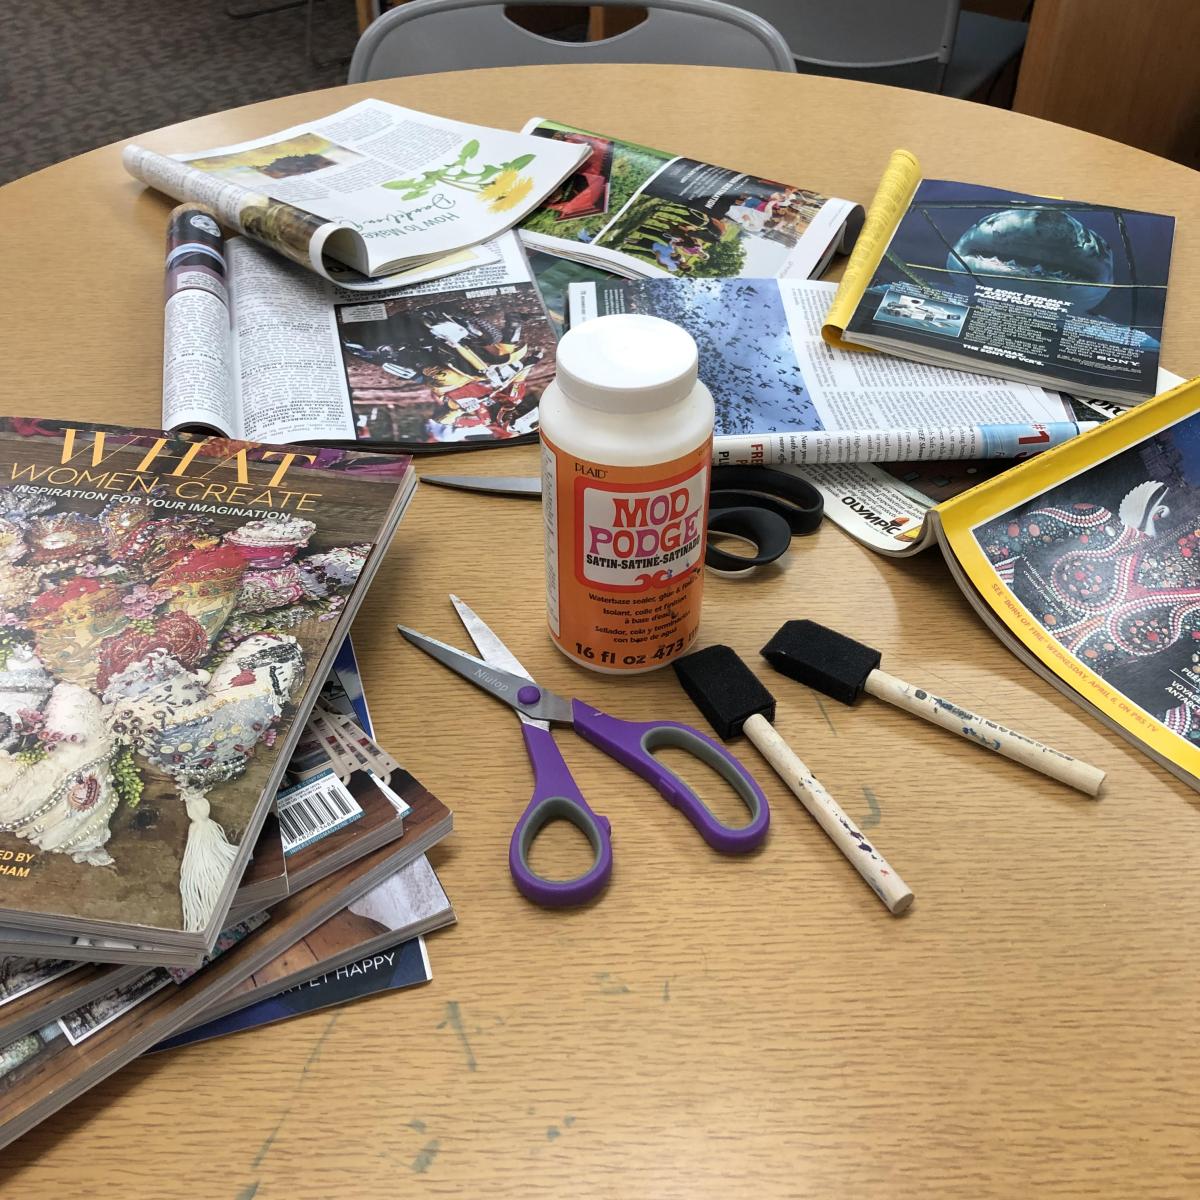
760	505
555	793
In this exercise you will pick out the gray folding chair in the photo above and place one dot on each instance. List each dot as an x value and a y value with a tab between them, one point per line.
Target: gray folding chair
424	36
922	44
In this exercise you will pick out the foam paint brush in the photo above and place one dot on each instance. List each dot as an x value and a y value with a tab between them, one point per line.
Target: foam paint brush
733	701
843	669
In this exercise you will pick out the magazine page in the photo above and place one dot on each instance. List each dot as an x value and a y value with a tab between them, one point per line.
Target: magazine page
456	360
1087	561
453	364
643	213
554	275
399	186
289	381
1060	292
885	507
290	231
892	198
199	389
784	395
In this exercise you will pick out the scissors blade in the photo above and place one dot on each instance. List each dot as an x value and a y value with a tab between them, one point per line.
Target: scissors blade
500	485
541	706
493	650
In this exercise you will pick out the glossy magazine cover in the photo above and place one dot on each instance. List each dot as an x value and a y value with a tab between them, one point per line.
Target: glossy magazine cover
165	602
1089	556
1070	290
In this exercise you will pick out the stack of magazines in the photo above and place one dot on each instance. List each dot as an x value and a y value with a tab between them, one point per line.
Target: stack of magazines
198	831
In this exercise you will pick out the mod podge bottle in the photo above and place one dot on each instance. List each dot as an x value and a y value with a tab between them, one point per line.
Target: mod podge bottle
626	431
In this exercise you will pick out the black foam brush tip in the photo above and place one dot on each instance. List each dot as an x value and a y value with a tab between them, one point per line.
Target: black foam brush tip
822	658
724	689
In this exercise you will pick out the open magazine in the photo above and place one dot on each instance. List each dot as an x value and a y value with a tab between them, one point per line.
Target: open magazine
644	213
1063	293
1085	561
254	347
885	505
784	396
371	190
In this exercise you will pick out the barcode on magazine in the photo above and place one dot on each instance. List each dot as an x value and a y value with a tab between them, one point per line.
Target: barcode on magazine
313	809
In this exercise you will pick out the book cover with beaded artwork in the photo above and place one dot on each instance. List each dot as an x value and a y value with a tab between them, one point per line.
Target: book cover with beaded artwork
166	603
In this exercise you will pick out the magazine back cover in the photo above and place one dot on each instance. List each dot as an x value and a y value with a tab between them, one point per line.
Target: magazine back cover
1012	281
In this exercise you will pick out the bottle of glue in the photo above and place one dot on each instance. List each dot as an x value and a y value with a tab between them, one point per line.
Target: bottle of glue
626	432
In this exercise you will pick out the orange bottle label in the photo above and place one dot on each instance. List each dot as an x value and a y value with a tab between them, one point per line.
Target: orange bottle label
624	556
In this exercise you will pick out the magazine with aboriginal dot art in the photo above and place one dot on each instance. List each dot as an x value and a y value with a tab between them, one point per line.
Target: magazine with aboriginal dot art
167	604
1086	562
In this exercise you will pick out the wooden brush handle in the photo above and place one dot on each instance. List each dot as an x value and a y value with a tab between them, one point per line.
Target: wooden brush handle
826	811
985	733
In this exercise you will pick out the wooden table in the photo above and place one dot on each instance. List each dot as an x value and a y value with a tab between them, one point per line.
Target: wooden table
714	1027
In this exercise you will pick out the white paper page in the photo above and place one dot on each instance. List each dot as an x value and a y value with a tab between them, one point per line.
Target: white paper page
411	184
291	384
198	383
879	391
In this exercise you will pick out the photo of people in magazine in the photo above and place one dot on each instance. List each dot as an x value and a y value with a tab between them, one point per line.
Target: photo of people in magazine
694	219
645	214
447	368
1108	563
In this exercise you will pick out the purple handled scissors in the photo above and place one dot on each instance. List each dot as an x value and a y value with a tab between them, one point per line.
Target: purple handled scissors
555	794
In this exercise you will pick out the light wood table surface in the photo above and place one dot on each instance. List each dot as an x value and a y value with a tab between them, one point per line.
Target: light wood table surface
713	1027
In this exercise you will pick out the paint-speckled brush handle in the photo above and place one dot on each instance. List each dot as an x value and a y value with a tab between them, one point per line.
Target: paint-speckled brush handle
985	733
826	811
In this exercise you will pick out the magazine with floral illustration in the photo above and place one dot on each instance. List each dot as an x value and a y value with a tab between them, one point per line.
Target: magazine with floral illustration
166	603
369	191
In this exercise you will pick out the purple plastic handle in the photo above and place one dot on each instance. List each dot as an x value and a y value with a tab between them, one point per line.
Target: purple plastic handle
556	797
631	743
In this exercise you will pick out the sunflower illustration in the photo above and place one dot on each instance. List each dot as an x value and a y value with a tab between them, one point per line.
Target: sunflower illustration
506	191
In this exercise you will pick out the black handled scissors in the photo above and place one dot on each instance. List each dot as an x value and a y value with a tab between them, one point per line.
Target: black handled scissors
760	505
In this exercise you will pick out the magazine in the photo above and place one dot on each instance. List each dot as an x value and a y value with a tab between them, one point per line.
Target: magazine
399	966
255	347
42	1071
644	213
263	882
343	691
784	396
410	903
1085	561
885	506
50	998
1062	293
375	188
168	601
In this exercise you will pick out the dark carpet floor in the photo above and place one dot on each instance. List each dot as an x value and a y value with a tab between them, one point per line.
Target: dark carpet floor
77	74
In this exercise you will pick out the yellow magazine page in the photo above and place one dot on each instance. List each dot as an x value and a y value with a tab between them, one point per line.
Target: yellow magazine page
892	198
1089	556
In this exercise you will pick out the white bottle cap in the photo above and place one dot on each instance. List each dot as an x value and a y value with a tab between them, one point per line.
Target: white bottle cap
627	363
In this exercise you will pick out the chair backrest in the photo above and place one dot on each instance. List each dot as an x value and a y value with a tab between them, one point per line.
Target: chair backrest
903	41
424	36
